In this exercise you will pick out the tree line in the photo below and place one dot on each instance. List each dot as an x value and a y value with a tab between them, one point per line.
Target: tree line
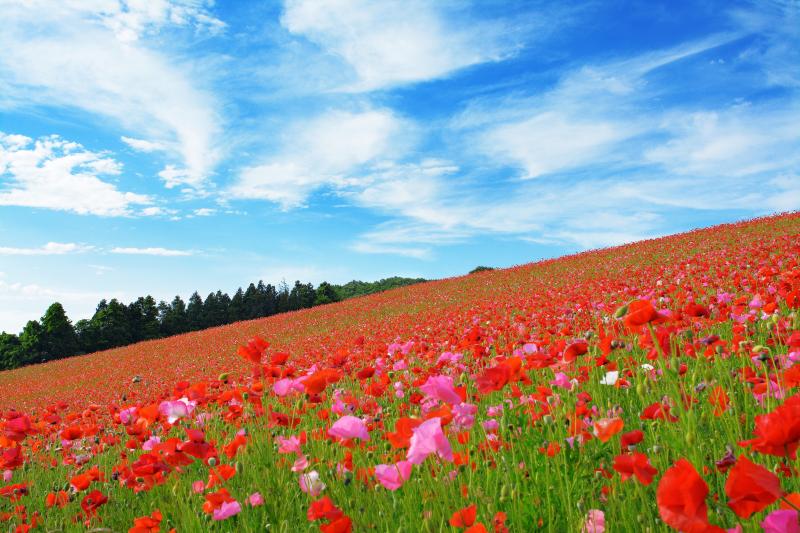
115	324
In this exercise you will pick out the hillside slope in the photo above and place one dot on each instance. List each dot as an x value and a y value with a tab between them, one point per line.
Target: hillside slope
647	386
609	275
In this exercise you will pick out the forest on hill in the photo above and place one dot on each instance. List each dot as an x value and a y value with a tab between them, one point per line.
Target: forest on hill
116	324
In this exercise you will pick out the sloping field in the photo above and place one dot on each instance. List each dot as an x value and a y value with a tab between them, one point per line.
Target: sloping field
522	398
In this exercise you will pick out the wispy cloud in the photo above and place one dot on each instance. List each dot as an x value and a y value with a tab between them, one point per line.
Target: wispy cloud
89	56
392	43
164	252
51	248
325	150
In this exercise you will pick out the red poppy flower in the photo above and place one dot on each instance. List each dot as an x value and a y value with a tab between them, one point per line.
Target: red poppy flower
493	379
605	428
639	312
751	487
681	498
635	464
464	517
254	350
147	524
343	524
778	433
323	508
631	438
92	501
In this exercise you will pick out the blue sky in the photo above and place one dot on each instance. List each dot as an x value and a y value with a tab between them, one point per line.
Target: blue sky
162	146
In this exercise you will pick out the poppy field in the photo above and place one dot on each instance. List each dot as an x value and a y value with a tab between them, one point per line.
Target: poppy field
647	387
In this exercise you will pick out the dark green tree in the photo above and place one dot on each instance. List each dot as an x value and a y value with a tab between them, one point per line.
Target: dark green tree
195	314
58	338
10	351
236	310
113	325
326	294
31	343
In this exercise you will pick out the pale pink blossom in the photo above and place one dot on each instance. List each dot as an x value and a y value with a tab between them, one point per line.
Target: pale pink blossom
150	443
300	464
393	476
289	444
562	380
255	499
349	427
177	409
227	510
441	388
126	416
311	484
428	438
595	522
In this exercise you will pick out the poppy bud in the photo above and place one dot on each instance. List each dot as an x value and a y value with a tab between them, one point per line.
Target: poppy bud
690	438
245	395
641	389
238	467
224	376
503	493
547	419
758	348
621	311
588	335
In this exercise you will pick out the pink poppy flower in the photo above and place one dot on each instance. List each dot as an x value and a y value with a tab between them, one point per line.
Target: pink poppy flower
311	484
349	427
464	415
300	464
595	522
255	499
177	409
781	521
429	438
289	445
393	476
562	380
441	388
227	510
198	487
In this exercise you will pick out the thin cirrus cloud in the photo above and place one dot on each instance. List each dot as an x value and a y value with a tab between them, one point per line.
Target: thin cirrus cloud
394	43
51	248
324	151
157	251
90	57
599	151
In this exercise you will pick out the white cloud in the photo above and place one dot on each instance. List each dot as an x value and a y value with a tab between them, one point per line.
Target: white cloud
164	252
51	248
142	145
53	173
551	142
156	211
64	54
204	212
20	302
396	42
737	141
324	151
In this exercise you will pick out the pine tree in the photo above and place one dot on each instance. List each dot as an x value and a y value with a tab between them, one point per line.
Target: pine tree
58	338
